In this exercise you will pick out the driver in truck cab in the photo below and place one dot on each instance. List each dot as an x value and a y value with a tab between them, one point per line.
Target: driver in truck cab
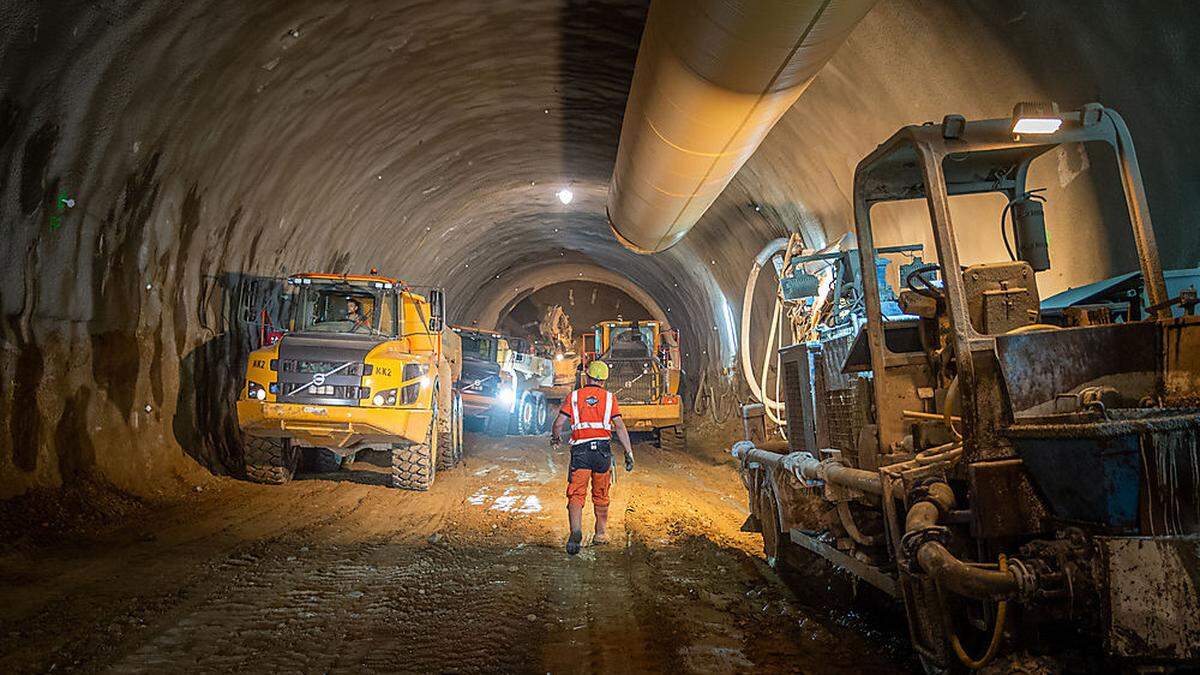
594	415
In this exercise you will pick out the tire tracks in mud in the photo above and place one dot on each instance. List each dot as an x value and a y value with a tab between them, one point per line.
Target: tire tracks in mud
326	575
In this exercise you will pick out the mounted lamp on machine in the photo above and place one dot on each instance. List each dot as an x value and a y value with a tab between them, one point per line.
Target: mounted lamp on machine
1027	208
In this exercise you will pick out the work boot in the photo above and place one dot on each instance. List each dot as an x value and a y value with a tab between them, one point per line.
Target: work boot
601	525
573	542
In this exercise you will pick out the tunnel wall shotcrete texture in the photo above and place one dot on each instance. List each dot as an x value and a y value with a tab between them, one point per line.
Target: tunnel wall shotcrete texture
162	159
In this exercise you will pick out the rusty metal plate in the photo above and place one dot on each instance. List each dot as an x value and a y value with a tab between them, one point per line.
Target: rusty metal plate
1154	596
1003	500
1038	366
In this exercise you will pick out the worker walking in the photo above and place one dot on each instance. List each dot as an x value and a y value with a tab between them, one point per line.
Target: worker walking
594	415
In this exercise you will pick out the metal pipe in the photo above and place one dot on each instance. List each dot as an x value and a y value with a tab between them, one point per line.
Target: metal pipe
807	467
712	78
938	562
937	499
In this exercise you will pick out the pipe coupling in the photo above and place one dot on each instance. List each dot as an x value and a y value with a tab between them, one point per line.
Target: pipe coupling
1026	578
913	540
741	448
923	491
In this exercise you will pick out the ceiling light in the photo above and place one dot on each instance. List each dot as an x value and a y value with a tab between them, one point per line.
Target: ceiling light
565	195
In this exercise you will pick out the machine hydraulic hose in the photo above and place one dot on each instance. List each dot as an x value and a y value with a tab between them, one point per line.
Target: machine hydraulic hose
771	406
808	468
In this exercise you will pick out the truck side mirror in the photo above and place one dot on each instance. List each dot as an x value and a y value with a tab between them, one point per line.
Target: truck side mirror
437	309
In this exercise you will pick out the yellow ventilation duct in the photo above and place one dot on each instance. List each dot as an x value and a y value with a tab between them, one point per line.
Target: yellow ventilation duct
712	78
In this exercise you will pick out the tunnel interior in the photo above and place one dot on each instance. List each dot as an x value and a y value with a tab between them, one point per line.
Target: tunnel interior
161	162
585	303
172	171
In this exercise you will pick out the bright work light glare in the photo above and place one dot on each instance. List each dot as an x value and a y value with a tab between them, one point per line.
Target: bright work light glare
507	396
565	196
1037	125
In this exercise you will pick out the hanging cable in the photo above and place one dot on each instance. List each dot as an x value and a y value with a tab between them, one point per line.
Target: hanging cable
1030	194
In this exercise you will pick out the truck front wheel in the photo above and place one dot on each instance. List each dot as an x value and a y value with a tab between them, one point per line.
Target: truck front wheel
270	460
414	464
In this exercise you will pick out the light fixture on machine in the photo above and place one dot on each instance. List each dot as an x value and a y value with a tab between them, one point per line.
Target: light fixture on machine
1036	118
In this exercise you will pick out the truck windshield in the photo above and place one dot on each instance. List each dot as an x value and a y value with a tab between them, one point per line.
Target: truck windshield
346	308
479	346
631	343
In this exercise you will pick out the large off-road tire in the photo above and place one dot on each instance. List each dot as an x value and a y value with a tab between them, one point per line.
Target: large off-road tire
673	438
269	460
414	465
319	460
528	413
462	420
545	416
450	441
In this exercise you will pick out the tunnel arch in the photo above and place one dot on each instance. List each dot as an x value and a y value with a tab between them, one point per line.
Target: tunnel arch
533	281
210	144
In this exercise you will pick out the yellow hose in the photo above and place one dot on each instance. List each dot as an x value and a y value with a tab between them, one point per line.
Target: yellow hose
997	633
1032	327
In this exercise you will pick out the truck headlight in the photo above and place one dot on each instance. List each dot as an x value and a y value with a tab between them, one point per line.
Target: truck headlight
256	391
507	395
386	397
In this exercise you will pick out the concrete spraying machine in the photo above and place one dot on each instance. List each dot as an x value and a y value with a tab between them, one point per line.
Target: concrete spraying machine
1023	490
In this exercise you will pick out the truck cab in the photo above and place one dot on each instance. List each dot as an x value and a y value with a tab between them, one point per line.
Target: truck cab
365	363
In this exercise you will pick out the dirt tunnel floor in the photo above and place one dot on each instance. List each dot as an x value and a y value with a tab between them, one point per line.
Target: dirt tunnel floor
338	573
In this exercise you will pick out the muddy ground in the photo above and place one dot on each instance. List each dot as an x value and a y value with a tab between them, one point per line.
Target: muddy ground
336	572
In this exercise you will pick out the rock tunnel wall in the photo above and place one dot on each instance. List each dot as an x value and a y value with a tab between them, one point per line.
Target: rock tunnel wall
163	161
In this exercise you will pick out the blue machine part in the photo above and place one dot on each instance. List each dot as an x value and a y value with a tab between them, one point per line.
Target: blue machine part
1121	288
1087	480
1103	472
799	285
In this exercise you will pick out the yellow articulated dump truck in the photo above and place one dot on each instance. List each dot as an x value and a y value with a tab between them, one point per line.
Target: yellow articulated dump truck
366	363
644	373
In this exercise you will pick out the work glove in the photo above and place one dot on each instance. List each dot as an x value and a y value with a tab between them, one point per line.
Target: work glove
629	461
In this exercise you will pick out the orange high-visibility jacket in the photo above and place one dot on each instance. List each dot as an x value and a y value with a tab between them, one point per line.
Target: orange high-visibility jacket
591	410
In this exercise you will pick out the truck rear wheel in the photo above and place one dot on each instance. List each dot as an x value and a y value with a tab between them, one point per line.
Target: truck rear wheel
673	438
543	416
269	460
532	414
